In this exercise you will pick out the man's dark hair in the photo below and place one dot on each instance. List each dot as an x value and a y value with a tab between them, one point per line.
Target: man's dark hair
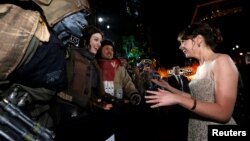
107	42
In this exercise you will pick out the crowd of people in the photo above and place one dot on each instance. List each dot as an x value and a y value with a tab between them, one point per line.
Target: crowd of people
65	76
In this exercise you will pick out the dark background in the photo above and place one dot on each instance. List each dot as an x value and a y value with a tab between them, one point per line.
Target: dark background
156	24
159	22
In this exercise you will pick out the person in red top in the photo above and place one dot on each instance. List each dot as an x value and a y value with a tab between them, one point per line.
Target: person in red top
120	91
117	81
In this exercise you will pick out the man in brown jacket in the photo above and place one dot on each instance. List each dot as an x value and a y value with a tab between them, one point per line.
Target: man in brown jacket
117	81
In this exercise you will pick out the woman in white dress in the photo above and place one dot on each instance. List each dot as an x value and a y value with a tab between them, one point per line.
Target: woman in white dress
213	89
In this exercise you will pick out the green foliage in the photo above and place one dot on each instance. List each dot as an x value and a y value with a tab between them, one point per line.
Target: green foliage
131	48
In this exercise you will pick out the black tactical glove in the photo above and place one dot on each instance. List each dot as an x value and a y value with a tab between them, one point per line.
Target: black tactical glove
111	99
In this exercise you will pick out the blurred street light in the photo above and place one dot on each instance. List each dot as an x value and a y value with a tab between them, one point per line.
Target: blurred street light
100	19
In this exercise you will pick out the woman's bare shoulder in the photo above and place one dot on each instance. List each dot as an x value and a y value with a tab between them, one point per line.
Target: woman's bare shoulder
222	58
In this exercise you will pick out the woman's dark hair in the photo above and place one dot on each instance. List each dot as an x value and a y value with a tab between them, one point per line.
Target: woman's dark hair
211	34
88	32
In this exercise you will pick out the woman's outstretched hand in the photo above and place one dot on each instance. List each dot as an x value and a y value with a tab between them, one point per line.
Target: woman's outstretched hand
160	98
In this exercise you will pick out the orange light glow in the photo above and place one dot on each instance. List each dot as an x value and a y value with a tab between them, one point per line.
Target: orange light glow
187	71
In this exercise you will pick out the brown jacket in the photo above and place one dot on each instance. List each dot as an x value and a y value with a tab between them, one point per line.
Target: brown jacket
18	27
79	81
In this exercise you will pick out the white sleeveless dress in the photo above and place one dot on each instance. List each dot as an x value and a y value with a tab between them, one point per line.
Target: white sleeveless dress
202	88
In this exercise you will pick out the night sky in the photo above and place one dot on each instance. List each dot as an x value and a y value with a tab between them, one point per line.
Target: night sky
163	20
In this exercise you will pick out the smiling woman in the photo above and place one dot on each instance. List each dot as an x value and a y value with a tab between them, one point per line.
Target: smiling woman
213	89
